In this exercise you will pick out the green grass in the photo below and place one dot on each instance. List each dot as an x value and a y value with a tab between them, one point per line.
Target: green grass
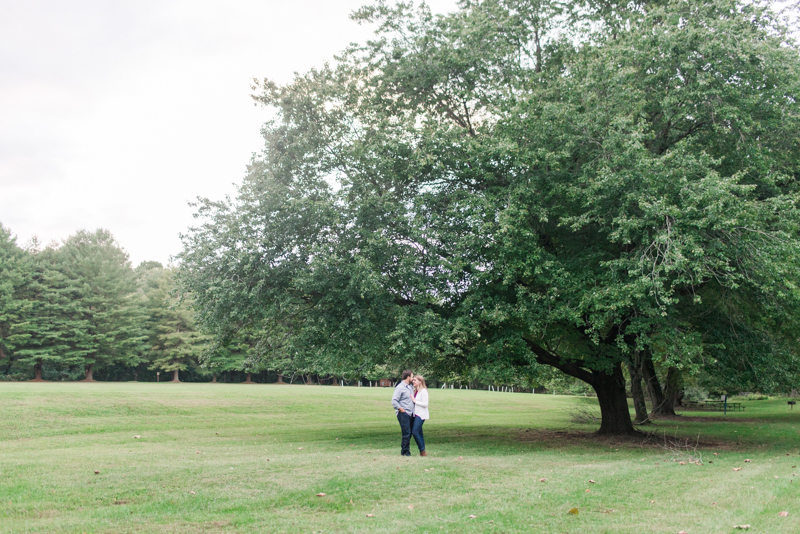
256	456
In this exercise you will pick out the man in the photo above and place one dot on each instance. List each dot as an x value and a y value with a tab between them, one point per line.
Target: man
404	408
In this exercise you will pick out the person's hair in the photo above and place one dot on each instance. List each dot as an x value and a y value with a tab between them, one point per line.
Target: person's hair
422	384
407	373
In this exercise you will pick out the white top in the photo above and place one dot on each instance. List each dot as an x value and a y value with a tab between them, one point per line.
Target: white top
421	405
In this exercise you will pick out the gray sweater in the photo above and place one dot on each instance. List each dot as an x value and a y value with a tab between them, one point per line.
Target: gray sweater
402	398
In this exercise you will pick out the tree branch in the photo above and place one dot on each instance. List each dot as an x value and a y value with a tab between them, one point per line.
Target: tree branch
545	357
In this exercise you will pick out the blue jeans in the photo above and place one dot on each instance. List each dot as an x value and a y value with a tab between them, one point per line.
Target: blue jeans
405	429
416	431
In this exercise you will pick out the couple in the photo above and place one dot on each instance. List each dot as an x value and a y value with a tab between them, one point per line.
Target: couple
410	401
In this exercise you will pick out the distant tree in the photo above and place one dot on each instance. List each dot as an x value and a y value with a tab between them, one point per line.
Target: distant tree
221	359
103	293
53	317
175	344
83	308
14	277
248	351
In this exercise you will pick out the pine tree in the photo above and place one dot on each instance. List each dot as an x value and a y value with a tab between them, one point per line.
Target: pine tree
14	276
175	343
51	318
102	285
83	307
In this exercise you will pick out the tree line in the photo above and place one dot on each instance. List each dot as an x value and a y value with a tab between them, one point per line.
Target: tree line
70	310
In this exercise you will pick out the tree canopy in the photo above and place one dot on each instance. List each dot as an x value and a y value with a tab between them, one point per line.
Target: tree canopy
524	183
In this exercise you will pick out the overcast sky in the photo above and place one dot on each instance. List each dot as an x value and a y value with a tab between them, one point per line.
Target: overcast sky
114	114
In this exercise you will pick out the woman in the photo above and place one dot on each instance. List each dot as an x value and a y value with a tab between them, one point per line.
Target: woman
420	400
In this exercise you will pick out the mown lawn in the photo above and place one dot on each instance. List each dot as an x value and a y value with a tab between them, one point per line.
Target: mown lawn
239	458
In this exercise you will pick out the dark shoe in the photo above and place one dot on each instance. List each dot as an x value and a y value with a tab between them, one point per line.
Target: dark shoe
423	453
409	454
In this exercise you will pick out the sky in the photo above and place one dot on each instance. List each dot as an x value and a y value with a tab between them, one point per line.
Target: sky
115	114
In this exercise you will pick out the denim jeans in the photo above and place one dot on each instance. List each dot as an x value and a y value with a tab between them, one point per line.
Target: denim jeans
416	431
405	428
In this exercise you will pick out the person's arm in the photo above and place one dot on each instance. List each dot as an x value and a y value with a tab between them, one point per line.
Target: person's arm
422	398
396	399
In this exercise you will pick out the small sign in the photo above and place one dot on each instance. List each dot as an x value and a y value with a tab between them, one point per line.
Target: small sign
385	383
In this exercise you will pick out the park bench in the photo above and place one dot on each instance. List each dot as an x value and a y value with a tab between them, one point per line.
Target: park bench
713	406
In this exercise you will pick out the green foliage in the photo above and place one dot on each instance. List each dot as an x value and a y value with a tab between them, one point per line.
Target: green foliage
517	184
175	344
103	288
82	307
14	276
53	322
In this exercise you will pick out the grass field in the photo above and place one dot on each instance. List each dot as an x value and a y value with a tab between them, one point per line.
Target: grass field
238	458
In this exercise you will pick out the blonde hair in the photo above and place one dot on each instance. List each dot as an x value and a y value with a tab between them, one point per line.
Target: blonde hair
422	384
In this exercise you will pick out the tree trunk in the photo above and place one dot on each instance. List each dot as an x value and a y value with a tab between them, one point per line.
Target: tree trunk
213	378
610	389
616	416
37	372
280	379
679	391
175	376
88	373
671	391
638	395
248	381
335	381
652	383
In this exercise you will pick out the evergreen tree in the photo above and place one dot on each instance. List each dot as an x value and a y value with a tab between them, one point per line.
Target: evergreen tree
175	344
53	318
103	292
83	307
14	277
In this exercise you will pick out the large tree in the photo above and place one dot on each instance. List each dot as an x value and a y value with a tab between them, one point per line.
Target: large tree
102	290
521	184
52	318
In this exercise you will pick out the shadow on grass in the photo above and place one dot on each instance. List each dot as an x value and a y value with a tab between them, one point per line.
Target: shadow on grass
501	440
706	433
